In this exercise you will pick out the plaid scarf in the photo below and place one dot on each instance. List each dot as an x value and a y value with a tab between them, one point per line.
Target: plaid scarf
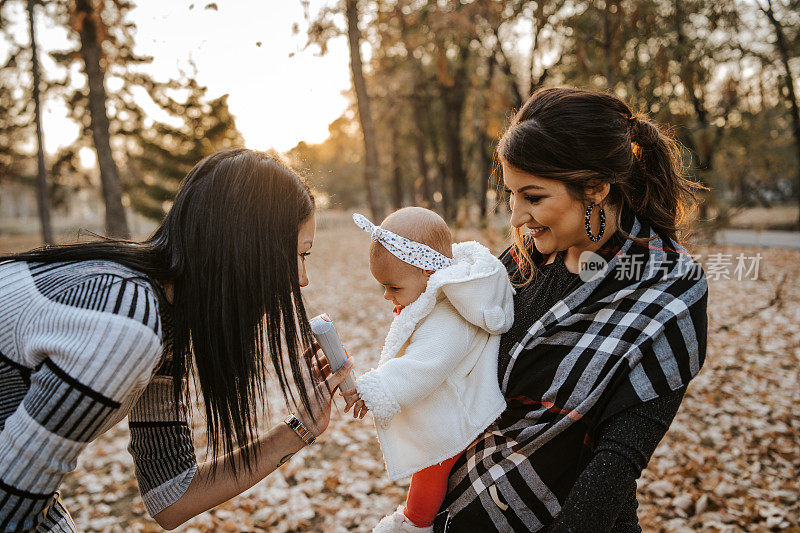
633	333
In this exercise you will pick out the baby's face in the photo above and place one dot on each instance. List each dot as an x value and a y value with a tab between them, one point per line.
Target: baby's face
402	283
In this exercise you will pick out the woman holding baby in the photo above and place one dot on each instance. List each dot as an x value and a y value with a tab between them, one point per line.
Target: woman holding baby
596	363
609	326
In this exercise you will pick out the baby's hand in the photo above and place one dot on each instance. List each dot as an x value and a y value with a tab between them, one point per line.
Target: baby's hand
359	407
350	398
360	410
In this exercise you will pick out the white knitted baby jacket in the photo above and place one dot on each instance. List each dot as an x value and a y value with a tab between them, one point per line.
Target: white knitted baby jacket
436	387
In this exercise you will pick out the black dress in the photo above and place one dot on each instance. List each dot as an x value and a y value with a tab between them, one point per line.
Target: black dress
604	496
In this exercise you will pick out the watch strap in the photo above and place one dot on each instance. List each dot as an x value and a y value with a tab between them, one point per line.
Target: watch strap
303	432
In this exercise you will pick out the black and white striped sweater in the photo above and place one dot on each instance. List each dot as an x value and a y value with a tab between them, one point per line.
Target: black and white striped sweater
81	346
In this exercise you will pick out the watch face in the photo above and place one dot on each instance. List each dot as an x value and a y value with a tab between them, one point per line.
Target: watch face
303	432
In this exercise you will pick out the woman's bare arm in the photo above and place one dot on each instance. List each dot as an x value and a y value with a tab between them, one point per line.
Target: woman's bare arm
212	486
209	489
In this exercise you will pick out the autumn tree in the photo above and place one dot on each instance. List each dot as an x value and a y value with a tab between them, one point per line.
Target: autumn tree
86	20
164	153
15	127
42	196
786	28
402	82
503	77
446	76
154	155
364	110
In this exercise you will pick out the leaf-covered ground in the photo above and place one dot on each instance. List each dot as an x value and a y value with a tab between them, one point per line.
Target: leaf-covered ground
729	462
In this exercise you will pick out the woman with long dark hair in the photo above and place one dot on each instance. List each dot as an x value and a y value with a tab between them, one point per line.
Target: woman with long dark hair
610	320
91	333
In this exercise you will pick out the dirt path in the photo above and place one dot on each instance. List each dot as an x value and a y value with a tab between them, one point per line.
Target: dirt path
767	238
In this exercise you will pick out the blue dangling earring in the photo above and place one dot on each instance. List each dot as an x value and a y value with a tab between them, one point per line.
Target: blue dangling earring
599	235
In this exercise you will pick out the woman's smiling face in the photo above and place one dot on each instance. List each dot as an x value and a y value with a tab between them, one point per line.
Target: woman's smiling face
545	209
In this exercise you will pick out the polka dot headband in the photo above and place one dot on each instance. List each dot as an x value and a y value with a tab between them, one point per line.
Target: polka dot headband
411	252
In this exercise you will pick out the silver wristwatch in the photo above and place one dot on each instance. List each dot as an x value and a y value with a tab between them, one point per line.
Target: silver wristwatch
298	427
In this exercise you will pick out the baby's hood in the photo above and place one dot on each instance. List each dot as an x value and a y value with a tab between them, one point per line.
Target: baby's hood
477	285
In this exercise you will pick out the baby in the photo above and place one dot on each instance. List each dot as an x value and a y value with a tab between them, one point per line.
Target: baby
435	389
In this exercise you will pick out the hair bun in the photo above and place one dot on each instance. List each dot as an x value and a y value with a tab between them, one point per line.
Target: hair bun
643	132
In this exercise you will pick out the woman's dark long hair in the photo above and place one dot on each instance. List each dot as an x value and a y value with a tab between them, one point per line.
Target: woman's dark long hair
586	138
228	245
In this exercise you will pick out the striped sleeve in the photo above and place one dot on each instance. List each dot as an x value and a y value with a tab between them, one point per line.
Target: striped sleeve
91	363
161	444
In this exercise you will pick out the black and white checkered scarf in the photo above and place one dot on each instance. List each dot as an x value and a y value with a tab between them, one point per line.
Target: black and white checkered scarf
633	333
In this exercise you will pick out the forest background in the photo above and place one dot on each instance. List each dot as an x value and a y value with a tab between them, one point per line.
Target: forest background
434	83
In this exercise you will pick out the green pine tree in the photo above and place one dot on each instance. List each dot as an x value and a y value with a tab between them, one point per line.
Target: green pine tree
165	152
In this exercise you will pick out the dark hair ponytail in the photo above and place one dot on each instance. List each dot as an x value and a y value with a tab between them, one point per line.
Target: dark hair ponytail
657	188
587	138
229	247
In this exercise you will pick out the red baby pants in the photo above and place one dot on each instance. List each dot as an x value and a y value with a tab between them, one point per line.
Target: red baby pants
427	491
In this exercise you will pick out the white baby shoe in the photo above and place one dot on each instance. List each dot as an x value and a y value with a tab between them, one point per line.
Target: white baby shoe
398	523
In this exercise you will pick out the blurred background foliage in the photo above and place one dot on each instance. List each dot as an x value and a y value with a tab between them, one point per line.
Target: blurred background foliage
434	84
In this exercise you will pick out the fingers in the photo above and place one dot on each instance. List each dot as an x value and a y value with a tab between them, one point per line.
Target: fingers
360	410
319	364
315	354
309	353
350	401
335	379
321	371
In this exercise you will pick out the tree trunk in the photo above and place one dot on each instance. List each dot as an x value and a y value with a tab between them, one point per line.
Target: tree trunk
397	174
452	145
116	219
485	142
422	162
791	96
417	113
486	154
41	180
609	29
364	112
440	165
453	110
703	150
453	94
